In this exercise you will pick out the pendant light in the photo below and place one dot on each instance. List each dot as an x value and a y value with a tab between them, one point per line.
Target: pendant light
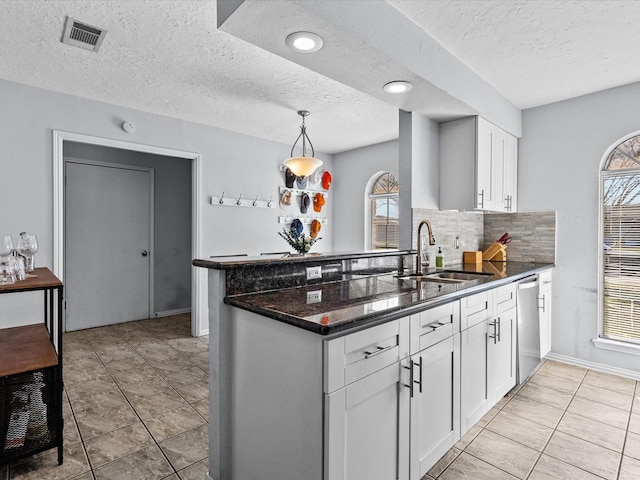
303	166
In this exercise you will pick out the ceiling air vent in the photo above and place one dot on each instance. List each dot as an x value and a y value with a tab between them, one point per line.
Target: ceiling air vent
82	35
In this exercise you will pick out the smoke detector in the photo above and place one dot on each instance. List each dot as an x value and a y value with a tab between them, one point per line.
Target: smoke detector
82	35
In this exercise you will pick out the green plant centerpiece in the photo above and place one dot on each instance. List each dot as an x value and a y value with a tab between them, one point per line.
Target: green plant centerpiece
301	243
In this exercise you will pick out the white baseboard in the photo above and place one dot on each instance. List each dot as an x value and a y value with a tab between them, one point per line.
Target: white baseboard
623	372
168	313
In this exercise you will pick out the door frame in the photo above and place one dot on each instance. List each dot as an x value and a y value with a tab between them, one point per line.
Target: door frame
136	168
199	309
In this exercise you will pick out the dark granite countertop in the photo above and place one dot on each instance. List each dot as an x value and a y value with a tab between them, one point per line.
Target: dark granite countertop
360	300
232	262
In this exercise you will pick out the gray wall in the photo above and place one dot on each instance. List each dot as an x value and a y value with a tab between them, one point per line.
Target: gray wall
353	171
231	162
559	162
172	219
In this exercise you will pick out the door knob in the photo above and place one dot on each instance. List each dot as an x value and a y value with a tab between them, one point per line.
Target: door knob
145	253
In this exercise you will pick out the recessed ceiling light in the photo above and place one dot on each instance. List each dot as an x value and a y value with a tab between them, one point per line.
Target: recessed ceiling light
304	42
398	87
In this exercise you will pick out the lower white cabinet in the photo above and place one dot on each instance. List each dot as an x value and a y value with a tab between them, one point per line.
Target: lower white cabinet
435	404
367	428
544	309
501	351
474	392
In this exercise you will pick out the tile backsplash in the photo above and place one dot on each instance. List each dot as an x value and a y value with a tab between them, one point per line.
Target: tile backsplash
533	233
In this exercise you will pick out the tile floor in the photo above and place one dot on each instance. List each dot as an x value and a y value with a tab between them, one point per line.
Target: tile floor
565	423
136	407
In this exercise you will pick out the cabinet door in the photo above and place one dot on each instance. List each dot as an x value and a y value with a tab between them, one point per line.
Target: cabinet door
473	375
497	169
367	428
544	308
510	180
484	154
435	405
501	363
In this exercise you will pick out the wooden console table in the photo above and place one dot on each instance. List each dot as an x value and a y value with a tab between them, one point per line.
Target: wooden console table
31	375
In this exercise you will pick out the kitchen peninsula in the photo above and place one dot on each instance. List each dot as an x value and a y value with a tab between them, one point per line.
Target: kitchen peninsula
320	363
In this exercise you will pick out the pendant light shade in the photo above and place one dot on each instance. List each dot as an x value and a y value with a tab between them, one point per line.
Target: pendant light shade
303	166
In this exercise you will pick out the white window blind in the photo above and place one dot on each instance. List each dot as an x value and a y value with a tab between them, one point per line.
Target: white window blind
621	255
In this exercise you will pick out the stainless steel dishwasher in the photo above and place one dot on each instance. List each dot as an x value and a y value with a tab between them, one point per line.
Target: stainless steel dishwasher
528	328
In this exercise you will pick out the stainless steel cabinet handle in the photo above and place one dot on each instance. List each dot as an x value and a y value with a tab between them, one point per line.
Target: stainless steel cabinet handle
437	325
481	202
420	383
494	324
541	299
499	328
378	351
410	386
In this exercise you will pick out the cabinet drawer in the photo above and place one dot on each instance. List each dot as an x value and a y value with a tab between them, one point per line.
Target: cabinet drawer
505	298
431	326
545	280
475	309
359	354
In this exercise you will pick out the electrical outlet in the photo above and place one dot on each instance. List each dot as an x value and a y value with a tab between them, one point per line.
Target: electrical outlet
314	272
314	297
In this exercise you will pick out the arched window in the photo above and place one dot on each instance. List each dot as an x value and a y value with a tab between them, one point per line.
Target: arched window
384	212
620	271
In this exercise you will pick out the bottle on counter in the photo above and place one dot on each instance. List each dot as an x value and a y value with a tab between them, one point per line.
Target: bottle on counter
439	258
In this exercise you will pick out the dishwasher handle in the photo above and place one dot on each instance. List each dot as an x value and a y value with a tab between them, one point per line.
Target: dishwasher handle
528	284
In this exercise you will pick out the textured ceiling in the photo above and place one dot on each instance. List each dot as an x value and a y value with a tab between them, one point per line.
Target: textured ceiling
167	57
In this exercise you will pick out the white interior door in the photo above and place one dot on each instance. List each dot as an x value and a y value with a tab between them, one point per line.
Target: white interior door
108	257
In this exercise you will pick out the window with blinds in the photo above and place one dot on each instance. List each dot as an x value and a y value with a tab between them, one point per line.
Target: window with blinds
620	179
384	212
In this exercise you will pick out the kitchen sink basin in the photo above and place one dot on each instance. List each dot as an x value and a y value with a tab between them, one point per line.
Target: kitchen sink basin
447	276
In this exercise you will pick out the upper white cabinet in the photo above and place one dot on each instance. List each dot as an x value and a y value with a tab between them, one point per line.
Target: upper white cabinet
478	166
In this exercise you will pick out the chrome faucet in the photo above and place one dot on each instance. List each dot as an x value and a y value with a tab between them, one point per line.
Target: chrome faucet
432	241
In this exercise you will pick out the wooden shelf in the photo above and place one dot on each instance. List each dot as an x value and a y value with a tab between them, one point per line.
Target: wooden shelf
24	349
39	279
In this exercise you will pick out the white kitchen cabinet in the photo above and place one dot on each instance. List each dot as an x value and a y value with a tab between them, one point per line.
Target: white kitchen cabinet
544	309
435	404
367	428
478	166
488	352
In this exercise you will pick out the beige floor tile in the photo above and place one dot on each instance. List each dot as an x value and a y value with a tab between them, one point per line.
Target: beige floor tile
187	448
191	345
521	430
503	453
197	471
202	406
612	398
173	422
193	392
563	370
534	411
630	469
191	374
146	464
487	417
560	384
468	437
111	399
45	465
151	406
467	467
599	412
119	443
545	395
442	464
610	382
549	468
585	455
592	431
634	423
632	446
97	421
84	476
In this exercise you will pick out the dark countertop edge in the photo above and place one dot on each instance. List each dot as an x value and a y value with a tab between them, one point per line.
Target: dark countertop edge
228	263
388	315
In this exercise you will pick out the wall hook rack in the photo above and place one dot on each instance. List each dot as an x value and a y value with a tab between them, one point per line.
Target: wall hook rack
242	200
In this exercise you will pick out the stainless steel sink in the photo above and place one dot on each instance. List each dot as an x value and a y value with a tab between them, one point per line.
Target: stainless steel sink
447	276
